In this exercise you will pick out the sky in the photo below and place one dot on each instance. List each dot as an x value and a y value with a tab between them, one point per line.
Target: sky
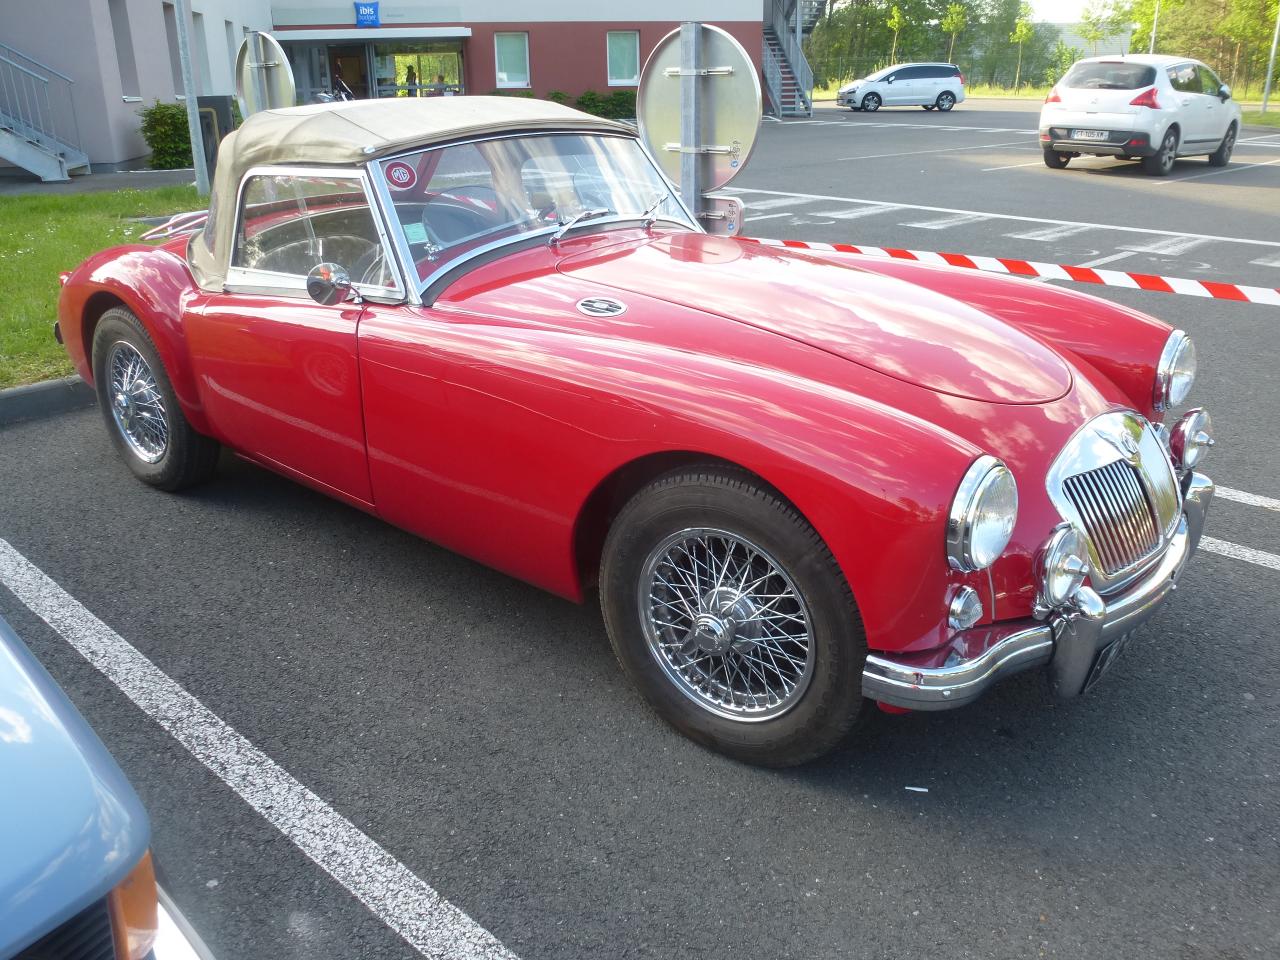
1058	11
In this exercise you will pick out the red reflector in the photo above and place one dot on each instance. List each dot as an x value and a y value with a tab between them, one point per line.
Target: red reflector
1053	96
1045	136
1147	98
1135	142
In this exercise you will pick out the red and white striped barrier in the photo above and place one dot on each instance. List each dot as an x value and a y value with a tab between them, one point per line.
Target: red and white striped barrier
1050	271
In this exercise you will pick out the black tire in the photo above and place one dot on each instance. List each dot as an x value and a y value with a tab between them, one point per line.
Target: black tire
1222	156
186	457
830	706
1161	163
946	100
871	102
1055	160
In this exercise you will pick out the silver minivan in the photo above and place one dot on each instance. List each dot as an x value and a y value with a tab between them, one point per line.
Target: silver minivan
927	85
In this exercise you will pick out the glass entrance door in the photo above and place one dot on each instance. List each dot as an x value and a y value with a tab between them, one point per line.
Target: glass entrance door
349	64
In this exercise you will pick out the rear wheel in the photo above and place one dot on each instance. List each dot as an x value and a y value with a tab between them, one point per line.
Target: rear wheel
871	102
146	425
1055	160
731	616
1222	156
1161	163
946	100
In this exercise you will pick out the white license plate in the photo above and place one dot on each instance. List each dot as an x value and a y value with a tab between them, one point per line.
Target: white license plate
1090	135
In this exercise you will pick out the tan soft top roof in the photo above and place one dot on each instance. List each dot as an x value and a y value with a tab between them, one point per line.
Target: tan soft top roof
354	132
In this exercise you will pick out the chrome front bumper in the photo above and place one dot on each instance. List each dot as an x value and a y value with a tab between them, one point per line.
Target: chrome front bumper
1075	644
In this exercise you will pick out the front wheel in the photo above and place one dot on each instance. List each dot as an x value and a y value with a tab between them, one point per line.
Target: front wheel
1161	163
871	102
144	421
945	101
1055	160
731	616
1222	156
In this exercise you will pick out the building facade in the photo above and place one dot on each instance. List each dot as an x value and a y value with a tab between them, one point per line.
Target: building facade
403	48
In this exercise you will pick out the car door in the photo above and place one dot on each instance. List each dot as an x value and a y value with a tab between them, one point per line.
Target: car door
1192	116
1218	112
906	86
277	371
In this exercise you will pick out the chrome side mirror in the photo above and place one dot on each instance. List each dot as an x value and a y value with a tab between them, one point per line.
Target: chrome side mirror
1224	93
329	284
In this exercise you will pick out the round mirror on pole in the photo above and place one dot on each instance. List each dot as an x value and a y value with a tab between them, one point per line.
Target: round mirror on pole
264	79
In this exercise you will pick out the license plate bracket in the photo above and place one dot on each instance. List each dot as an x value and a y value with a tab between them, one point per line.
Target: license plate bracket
1106	657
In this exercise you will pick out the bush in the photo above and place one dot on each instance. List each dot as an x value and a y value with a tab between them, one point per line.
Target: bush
164	128
619	105
524	94
558	96
591	102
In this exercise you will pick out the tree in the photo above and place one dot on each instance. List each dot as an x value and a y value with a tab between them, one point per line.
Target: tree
1097	22
895	23
1022	32
953	21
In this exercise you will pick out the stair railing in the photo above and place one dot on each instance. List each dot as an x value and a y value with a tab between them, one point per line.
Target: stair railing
773	79
787	25
38	101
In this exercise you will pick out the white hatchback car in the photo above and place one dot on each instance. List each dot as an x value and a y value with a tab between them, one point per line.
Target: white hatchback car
1149	108
925	85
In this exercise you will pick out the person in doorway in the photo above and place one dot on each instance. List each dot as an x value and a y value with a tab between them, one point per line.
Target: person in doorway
411	81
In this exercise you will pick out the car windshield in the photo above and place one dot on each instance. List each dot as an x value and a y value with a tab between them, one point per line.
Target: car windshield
1114	75
450	201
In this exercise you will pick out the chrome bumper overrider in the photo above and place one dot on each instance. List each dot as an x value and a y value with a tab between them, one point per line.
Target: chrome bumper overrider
1069	642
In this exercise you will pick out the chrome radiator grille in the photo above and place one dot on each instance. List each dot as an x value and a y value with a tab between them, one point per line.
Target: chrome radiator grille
1117	514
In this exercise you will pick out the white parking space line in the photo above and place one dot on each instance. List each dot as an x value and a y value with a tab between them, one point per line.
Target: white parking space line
1266	261
780	202
948	222
1252	499
1170	246
1046	234
766	216
913	153
428	922
1124	228
1110	258
852	213
1234	168
1236	552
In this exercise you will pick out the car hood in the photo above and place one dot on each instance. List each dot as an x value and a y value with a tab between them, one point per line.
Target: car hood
885	324
71	827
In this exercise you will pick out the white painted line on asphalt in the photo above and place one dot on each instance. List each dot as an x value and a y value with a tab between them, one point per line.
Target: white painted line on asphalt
853	213
1252	499
1005	216
1266	261
431	924
1237	552
913	153
948	222
1045	234
782	202
767	216
1234	168
1013	166
1170	246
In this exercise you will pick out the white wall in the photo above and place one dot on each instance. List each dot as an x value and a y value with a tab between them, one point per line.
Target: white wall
392	12
221	44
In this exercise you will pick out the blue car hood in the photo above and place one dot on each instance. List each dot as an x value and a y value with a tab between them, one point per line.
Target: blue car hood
71	827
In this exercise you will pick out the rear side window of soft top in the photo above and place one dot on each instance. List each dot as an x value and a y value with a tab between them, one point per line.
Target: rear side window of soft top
1110	75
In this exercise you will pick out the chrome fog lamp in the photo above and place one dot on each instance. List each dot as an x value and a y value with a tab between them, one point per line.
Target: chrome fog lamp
1063	565
1176	371
1190	439
982	515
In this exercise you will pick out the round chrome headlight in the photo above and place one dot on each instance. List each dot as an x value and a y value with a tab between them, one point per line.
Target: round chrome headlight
982	515
1064	563
1176	371
1190	439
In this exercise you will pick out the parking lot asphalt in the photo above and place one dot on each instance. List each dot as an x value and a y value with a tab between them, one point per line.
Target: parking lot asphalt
481	733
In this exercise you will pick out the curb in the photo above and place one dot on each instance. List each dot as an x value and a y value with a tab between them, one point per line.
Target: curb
49	398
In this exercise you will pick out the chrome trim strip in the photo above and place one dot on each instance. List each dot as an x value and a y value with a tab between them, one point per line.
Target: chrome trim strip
1069	642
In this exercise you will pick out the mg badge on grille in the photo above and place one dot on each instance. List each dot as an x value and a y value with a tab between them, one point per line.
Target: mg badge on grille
1123	441
601	307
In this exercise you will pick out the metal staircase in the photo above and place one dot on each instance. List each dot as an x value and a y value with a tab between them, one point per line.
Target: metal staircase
38	127
788	76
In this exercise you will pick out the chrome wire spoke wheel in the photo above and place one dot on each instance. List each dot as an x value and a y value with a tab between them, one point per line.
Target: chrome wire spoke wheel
726	624
137	407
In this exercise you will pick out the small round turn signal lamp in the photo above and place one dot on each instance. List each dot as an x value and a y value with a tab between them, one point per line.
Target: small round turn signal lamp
965	609
1190	439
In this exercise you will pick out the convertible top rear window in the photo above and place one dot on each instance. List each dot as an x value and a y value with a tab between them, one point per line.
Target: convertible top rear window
1110	75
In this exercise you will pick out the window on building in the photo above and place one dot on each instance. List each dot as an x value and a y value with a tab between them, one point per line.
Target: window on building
511	59
624	58
119	12
200	54
175	58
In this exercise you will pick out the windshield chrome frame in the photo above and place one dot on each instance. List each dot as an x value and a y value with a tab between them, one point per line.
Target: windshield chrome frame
401	244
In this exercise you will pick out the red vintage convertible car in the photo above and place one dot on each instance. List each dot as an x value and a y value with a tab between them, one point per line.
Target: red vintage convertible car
800	483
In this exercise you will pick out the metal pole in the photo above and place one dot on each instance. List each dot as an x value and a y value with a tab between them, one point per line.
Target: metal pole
183	10
1271	63
1151	48
690	117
